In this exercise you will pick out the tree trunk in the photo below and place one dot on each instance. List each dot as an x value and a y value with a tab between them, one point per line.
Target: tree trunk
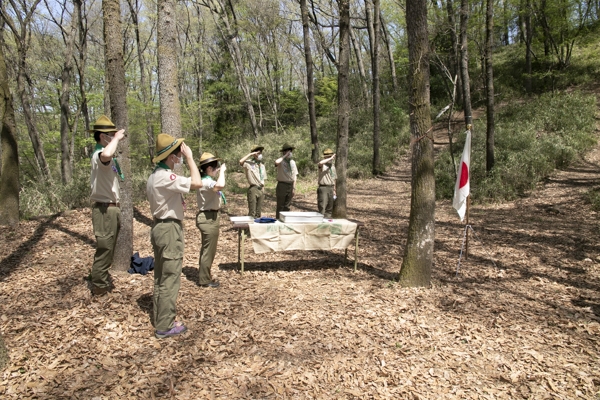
115	74
464	61
3	354
66	161
418	254
360	64
528	50
9	172
390	52
506	24
376	94
489	69
454	57
145	87
81	70
341	161
310	83
22	36
166	34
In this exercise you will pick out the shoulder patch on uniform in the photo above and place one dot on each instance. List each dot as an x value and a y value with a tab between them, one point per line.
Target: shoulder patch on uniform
173	177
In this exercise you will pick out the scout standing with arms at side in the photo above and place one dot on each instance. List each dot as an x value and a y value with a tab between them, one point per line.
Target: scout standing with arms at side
165	191
106	214
286	179
326	191
256	173
210	198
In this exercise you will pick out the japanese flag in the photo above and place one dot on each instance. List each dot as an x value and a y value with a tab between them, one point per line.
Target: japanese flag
463	187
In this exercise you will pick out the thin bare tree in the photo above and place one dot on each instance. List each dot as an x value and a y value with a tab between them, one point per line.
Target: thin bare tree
9	172
21	30
310	83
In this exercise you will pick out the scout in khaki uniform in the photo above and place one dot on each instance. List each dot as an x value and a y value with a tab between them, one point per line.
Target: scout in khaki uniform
256	173
165	191
326	190
106	214
210	198
286	179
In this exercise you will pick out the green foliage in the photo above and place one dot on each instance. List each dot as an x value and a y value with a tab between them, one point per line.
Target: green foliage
41	198
531	140
593	197
326	95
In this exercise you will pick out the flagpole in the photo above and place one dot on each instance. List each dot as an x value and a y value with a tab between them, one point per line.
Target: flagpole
467	224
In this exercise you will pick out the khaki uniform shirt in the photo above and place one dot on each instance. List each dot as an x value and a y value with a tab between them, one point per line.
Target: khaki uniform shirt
207	198
327	175
287	171
105	181
256	173
165	191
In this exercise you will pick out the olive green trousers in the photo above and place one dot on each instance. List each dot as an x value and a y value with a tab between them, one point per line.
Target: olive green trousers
106	222
168	244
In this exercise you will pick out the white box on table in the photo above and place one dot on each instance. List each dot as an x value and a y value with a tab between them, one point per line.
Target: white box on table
246	219
295	217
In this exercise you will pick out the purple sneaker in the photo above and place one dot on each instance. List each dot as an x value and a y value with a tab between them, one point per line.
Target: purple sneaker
177	329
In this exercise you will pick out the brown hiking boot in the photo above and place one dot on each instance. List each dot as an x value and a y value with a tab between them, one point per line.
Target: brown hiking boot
98	291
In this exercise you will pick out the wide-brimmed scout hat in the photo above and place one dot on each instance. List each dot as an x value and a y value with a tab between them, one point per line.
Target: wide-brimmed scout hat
257	148
286	147
104	125
165	144
207	158
328	152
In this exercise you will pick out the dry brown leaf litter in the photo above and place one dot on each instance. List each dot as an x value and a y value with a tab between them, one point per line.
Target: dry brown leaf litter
300	325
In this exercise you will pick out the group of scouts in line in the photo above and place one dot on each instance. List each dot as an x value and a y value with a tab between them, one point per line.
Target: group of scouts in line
165	191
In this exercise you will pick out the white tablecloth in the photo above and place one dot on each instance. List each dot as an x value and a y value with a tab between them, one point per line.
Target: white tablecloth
279	236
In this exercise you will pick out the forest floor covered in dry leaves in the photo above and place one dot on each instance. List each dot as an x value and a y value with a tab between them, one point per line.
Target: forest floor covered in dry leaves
519	320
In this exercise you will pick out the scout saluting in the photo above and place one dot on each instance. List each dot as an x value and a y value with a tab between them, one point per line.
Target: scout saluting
256	173
165	191
326	190
286	179
106	214
210	198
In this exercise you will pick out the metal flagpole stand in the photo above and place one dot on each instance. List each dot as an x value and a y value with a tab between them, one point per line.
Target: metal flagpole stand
465	242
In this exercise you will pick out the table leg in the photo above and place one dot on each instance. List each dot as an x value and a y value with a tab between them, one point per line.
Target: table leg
345	256
239	234
243	246
356	249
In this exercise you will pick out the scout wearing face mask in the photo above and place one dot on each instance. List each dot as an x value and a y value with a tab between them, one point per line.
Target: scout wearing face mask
256	174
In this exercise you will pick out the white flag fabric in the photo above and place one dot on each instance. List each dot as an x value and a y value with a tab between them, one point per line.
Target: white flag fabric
463	187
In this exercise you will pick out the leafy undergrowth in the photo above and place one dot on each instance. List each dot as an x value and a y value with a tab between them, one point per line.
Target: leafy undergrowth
520	320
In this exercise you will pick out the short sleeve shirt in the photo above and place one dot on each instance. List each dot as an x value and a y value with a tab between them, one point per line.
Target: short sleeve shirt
207	198
165	191
256	173
287	171
104	181
327	175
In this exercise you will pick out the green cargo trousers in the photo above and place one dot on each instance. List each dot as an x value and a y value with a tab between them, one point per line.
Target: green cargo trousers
283	193
106	222
168	244
208	224
325	200
255	199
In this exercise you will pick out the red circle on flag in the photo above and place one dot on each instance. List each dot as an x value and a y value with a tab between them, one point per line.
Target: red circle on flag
464	175
173	176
